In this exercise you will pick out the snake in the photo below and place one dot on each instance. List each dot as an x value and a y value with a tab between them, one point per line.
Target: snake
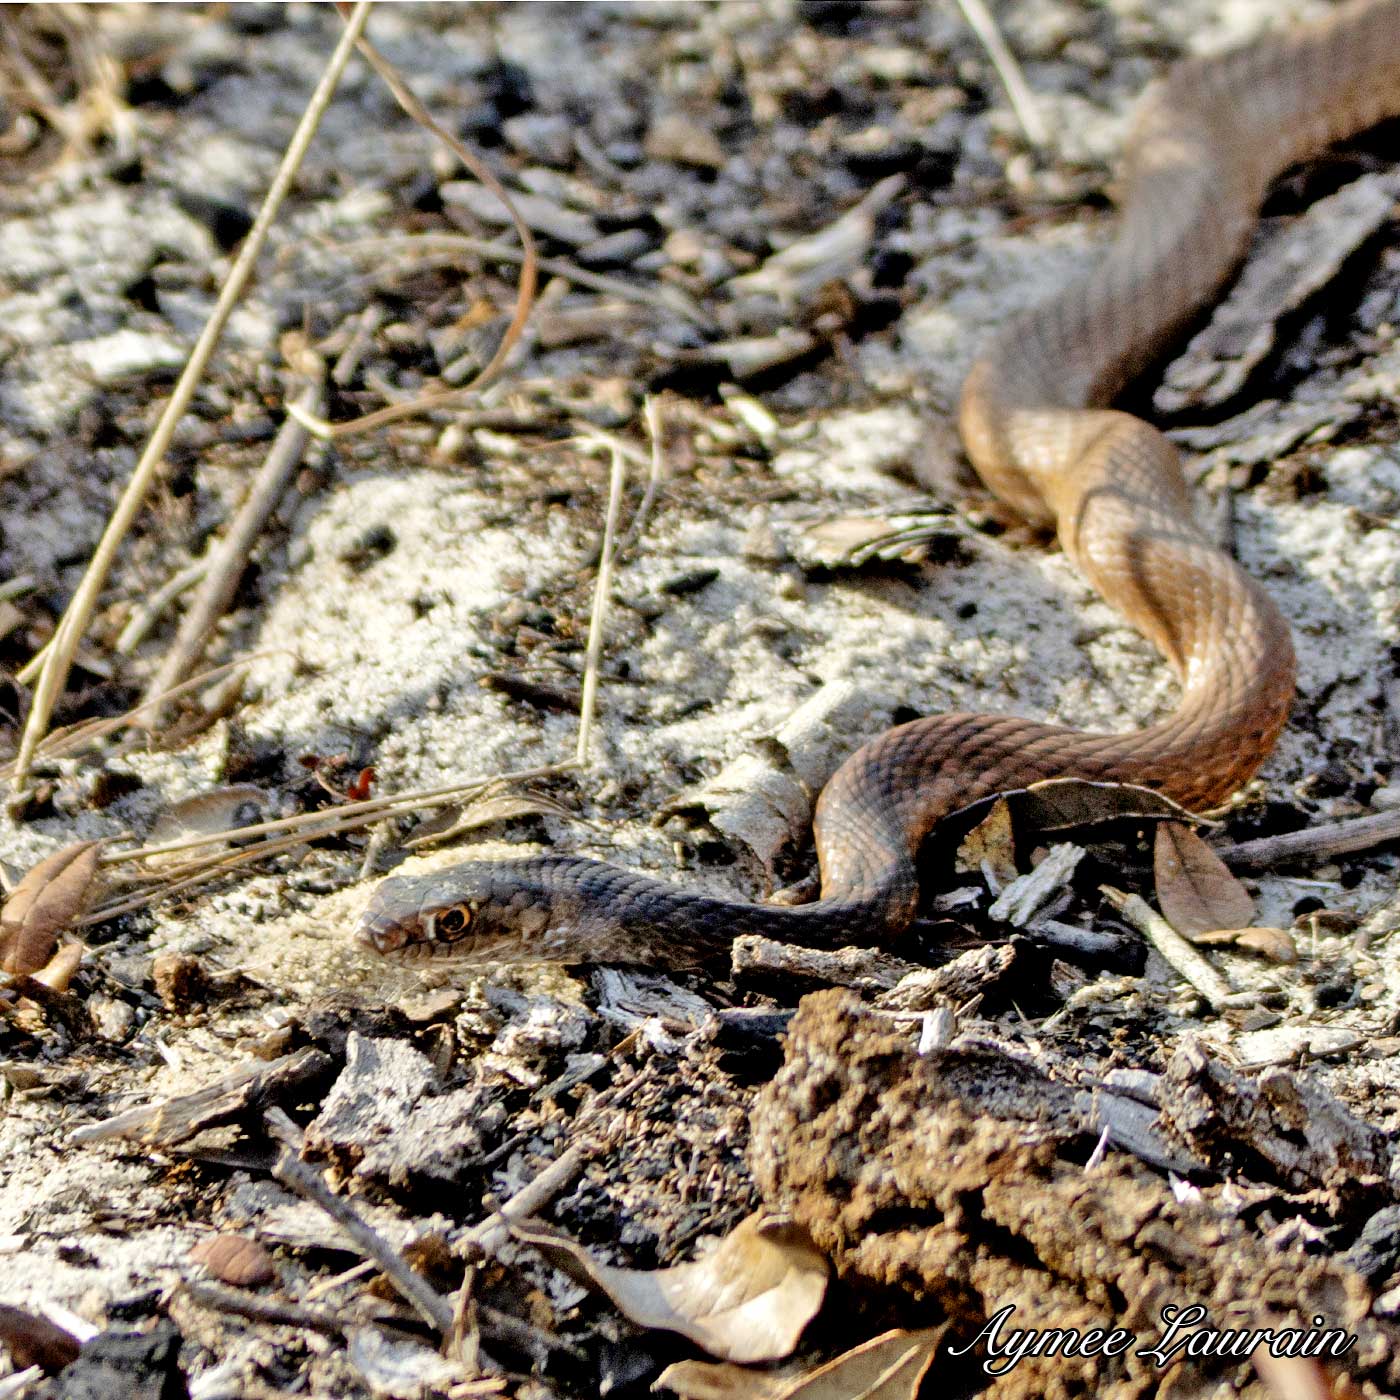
1037	423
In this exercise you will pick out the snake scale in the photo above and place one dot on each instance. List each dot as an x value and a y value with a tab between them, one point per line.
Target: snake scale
1206	143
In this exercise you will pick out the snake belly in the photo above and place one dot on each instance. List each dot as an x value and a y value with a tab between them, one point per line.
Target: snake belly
1035	420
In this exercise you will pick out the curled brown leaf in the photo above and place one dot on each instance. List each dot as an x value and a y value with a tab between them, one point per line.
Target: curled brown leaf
1195	890
45	903
747	1300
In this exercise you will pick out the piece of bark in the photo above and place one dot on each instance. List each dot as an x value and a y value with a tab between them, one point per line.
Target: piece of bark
243	1094
866	969
1019	901
1288	270
383	1119
955	982
763	800
1288	1120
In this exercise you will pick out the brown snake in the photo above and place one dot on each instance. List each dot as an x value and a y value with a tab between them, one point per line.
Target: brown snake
1206	144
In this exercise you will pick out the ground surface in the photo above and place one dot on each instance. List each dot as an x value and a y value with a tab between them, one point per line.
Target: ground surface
674	148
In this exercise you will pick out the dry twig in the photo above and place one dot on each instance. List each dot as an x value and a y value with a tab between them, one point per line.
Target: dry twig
1018	91
1319	842
1174	948
608	554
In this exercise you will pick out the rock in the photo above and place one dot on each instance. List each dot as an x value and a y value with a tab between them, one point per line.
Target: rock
543	136
685	141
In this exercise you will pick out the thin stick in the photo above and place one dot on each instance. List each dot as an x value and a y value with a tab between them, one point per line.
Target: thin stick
1322	842
434	1309
532	1198
228	559
372	806
1173	947
617	480
259	1309
1018	91
57	658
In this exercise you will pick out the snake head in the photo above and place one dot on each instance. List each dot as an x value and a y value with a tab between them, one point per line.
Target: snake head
473	914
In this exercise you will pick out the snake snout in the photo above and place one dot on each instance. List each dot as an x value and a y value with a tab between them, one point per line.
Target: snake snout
380	933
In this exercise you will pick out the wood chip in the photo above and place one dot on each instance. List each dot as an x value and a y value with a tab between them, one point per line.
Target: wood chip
1019	901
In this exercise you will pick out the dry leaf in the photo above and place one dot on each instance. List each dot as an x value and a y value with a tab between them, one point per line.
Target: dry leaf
1276	944
888	1367
747	1300
1194	889
235	1259
1058	804
32	1340
57	973
720	1380
991	843
1061	804
44	904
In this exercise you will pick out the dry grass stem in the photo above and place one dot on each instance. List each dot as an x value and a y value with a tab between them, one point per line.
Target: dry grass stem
58	656
149	610
656	471
74	737
617	480
227	560
1018	92
370	809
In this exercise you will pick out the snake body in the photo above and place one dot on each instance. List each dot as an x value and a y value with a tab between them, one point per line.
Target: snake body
1034	419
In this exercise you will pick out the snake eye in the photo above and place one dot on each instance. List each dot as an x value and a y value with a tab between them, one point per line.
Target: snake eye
452	923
